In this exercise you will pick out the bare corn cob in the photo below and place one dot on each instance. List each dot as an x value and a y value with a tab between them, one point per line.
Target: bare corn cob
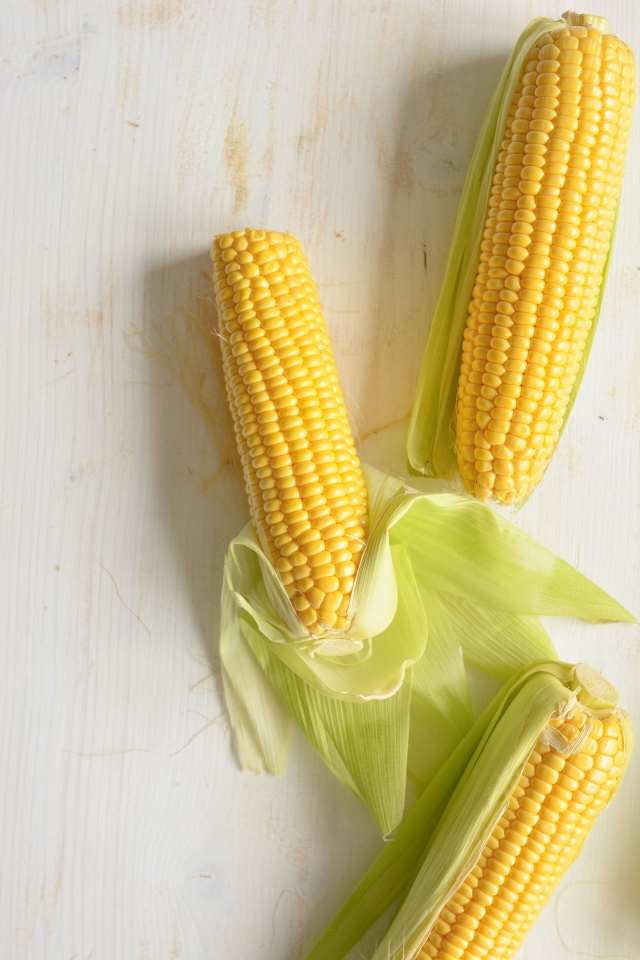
548	231
306	491
539	835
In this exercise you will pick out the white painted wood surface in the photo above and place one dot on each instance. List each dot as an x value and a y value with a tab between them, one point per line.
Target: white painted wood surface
131	133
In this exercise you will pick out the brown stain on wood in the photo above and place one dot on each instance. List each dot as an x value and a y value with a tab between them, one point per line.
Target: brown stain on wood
176	946
266	16
267	160
148	15
52	897
313	134
235	159
395	165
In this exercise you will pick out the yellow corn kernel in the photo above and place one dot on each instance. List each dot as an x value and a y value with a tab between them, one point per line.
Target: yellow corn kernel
546	239
306	490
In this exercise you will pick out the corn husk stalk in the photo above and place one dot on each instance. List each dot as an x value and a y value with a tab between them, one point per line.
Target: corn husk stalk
442	837
442	579
433	446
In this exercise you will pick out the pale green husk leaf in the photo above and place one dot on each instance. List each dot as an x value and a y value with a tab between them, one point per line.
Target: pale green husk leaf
440	706
256	712
462	547
443	834
363	743
430	439
498	643
442	578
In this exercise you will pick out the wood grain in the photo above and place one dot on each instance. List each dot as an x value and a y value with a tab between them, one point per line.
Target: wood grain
129	134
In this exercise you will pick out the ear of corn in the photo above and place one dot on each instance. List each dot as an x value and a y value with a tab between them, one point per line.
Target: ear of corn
557	170
539	835
485	846
306	491
547	236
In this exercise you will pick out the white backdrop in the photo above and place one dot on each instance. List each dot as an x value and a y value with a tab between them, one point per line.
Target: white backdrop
130	133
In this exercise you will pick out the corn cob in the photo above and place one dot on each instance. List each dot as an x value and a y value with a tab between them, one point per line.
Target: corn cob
539	835
306	492
491	836
546	239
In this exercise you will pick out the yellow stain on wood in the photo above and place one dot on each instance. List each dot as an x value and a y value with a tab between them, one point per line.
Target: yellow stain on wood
235	159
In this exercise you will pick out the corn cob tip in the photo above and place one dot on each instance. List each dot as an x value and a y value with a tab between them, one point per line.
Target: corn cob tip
573	19
596	692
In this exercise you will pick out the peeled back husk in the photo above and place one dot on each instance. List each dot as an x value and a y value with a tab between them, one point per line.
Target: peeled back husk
441	578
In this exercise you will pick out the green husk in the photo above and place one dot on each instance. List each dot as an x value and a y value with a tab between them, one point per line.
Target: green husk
443	834
440	704
363	743
441	578
498	643
253	705
430	442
